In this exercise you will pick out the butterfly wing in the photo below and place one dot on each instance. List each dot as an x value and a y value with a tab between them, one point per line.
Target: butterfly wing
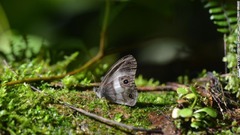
118	85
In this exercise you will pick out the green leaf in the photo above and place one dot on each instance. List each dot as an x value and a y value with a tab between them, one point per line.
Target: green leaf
182	91
232	20
196	124
221	23
3	112
215	10
190	96
210	111
193	90
211	4
197	115
186	112
118	117
223	30
230	12
217	17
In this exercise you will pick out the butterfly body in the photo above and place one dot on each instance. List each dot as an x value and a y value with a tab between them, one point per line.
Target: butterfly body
118	85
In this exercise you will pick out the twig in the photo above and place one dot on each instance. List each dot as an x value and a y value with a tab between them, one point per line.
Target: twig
9	67
156	88
111	122
225	54
167	87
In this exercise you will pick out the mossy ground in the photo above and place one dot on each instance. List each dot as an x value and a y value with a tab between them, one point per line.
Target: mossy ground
24	111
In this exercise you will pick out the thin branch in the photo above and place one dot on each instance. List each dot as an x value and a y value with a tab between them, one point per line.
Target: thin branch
167	87
9	67
225	54
111	122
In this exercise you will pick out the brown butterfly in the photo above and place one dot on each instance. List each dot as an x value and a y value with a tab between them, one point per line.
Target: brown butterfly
118	85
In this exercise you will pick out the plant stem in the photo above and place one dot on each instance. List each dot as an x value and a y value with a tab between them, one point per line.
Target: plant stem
238	34
195	98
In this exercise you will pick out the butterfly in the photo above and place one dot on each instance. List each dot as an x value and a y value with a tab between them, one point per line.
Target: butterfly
118	85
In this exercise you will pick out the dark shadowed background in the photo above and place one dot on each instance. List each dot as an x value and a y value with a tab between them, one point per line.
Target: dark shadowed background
168	38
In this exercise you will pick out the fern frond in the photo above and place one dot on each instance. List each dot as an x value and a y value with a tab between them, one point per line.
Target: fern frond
222	14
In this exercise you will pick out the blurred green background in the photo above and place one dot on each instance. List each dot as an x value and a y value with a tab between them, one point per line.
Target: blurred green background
168	38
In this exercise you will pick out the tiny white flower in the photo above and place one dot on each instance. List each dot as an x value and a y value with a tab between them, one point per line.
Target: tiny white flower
175	113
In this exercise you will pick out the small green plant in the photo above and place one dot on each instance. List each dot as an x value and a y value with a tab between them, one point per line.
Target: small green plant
192	112
223	14
140	81
232	80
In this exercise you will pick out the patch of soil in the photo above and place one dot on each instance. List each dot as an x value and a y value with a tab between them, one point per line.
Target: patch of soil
163	123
